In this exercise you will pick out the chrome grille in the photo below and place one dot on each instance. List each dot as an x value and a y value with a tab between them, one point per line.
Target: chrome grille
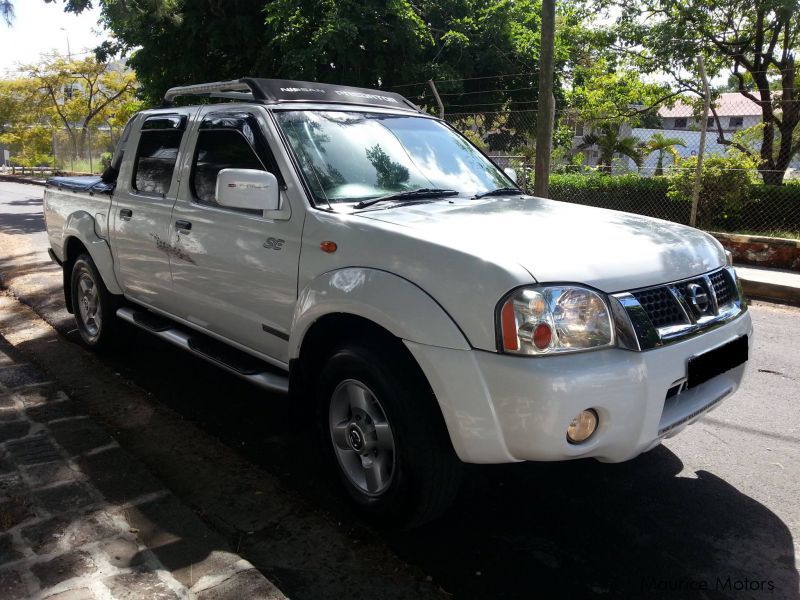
723	285
662	314
661	307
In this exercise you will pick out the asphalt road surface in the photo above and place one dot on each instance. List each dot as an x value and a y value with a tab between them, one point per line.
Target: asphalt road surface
712	513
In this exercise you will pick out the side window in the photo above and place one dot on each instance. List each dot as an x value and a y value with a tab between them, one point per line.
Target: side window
219	149
157	154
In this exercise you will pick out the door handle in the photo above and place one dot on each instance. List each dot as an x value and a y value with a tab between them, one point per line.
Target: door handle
184	226
125	214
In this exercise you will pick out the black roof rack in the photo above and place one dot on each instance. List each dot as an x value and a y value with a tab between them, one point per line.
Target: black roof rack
273	91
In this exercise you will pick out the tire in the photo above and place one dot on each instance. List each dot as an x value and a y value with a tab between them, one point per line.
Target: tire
93	305
385	435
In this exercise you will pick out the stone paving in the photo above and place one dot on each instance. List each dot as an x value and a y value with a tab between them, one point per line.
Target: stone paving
80	519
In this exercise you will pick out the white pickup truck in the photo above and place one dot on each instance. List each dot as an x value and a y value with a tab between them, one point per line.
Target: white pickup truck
341	246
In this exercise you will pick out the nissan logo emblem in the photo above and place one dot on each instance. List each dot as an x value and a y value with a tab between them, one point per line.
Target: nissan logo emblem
698	298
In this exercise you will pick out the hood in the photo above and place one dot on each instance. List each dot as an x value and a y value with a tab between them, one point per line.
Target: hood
562	242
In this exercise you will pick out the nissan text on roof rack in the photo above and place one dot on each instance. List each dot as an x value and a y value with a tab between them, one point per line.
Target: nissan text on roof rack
338	245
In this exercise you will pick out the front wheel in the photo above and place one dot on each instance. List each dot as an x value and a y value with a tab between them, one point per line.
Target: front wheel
386	435
93	305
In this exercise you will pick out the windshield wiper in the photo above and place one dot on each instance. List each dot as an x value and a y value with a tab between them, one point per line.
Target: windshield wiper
418	193
499	192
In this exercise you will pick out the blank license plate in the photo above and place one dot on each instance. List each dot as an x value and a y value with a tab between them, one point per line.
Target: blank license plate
717	361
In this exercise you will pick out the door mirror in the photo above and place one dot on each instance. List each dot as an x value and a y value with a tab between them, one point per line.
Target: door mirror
248	188
511	173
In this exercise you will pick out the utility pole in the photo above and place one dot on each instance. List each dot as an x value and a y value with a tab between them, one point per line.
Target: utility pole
438	98
546	113
698	176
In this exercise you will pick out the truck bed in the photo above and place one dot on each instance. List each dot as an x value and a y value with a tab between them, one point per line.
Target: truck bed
83	183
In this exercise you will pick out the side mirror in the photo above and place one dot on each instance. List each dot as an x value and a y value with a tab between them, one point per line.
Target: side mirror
511	173
248	188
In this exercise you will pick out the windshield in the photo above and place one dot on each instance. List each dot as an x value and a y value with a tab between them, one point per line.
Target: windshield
354	156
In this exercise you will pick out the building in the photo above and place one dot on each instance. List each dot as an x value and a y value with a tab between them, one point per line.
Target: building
735	112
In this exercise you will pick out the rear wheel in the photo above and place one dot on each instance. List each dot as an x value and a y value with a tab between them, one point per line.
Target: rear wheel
93	305
386	436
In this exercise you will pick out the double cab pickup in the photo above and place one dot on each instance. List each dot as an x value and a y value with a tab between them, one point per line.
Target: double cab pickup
340	246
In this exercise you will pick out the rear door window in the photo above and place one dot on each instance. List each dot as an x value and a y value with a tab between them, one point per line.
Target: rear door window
157	153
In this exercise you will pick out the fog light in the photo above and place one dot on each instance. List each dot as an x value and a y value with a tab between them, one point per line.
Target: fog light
582	426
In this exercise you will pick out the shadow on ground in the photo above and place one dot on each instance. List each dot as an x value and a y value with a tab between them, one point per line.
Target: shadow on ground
22	223
518	531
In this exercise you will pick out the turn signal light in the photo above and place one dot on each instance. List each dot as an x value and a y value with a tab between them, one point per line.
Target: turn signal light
328	246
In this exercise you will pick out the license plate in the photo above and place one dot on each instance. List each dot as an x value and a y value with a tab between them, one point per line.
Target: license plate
715	362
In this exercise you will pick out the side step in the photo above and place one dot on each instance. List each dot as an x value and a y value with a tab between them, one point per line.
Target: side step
232	360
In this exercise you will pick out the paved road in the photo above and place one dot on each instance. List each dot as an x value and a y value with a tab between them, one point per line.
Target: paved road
713	513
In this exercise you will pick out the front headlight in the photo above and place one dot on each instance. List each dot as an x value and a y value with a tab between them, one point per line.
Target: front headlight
552	319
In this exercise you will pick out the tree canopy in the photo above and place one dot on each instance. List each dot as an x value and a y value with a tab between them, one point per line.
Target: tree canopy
370	43
755	40
72	96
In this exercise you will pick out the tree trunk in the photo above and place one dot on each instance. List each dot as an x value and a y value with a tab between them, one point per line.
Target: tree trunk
660	165
82	139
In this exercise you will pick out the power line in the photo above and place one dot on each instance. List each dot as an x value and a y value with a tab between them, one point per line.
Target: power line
467	79
488	91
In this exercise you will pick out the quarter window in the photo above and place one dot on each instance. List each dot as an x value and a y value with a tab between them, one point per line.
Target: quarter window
219	149
155	160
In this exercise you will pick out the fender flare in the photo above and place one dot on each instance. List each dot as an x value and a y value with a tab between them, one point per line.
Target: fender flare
81	225
399	306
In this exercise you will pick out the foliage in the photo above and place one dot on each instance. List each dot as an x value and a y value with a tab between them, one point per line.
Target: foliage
608	140
629	192
603	94
474	137
755	39
75	96
660	143
79	94
724	186
483	52
765	209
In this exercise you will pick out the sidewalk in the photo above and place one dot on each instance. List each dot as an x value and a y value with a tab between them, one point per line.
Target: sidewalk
81	519
770	284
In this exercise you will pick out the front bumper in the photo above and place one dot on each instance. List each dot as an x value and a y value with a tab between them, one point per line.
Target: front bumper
501	408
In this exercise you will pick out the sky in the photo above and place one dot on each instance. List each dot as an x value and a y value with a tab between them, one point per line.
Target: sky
36	29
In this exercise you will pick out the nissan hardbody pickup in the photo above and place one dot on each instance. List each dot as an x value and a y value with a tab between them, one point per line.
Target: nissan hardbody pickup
343	247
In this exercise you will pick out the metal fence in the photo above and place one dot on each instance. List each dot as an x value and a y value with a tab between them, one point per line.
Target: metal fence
644	163
647	163
67	150
82	151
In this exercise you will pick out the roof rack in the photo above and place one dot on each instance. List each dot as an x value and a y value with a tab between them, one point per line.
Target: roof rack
238	89
273	91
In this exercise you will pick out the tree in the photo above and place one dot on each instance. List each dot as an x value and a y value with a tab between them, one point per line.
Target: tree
608	141
660	143
75	96
483	52
78	94
22	128
756	40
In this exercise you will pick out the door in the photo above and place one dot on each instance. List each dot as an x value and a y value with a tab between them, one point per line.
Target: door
142	208
235	269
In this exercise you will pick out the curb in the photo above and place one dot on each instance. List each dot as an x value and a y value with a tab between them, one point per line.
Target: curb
17	179
761	290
